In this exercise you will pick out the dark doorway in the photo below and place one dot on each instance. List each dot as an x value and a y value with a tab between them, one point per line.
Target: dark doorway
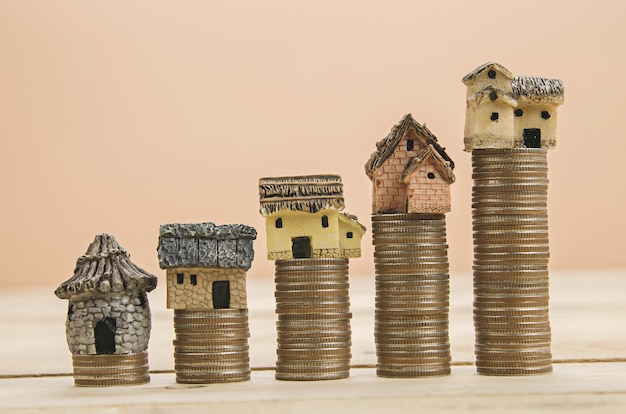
532	138
105	336
221	294
301	247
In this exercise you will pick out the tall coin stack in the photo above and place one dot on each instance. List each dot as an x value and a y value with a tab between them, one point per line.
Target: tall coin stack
411	175
412	295
201	355
510	124
511	280
313	307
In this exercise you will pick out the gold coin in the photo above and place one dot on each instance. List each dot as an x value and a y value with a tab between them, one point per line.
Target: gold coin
111	382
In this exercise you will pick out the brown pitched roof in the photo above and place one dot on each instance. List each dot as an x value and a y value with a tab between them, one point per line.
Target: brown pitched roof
416	162
486	66
386	147
531	88
310	193
105	268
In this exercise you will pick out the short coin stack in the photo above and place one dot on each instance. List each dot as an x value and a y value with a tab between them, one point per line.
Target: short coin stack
313	307
110	369
511	281
412	295
211	346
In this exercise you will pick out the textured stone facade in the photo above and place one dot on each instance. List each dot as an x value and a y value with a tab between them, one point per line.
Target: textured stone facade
126	314
351	253
197	293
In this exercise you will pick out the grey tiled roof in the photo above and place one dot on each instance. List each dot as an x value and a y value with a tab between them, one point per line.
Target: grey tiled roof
206	245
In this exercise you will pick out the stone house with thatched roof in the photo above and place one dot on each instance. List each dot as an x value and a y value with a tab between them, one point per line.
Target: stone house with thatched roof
505	111
303	218
410	171
206	264
108	310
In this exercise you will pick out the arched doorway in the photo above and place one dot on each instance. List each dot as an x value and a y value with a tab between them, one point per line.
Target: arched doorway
105	336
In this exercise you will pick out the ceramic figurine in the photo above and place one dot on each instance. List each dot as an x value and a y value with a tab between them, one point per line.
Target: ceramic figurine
509	126
206	269
310	240
303	218
505	111
108	318
410	172
412	175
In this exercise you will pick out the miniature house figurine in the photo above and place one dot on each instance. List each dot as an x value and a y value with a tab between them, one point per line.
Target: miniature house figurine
108	315
303	218
504	111
206	264
411	173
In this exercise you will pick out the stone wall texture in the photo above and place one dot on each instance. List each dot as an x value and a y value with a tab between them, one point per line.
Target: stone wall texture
200	296
132	322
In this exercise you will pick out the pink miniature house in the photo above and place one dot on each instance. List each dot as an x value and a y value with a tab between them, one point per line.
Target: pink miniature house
410	172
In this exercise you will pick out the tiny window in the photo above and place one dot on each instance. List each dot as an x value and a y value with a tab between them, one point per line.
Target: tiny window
431	176
70	310
324	221
142	300
545	114
518	112
409	144
180	278
279	223
193	279
494	116
349	235
493	95
491	74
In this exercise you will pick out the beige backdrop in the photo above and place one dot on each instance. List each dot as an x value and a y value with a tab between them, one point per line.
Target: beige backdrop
119	116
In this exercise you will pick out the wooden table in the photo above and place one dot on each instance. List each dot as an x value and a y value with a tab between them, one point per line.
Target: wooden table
588	316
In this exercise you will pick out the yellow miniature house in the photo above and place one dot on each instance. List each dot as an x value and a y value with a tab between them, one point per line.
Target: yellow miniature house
303	218
504	111
410	172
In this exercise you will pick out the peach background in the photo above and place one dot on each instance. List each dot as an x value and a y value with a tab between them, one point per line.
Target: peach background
120	116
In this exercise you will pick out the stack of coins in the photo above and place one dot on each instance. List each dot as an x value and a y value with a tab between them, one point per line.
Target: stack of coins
211	346
110	370
313	307
511	253
412	295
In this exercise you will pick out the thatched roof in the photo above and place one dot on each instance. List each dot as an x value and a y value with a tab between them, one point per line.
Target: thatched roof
106	268
386	147
310	193
416	162
534	89
228	246
489	65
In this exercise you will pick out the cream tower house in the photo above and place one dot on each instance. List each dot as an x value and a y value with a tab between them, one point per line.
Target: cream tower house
506	111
